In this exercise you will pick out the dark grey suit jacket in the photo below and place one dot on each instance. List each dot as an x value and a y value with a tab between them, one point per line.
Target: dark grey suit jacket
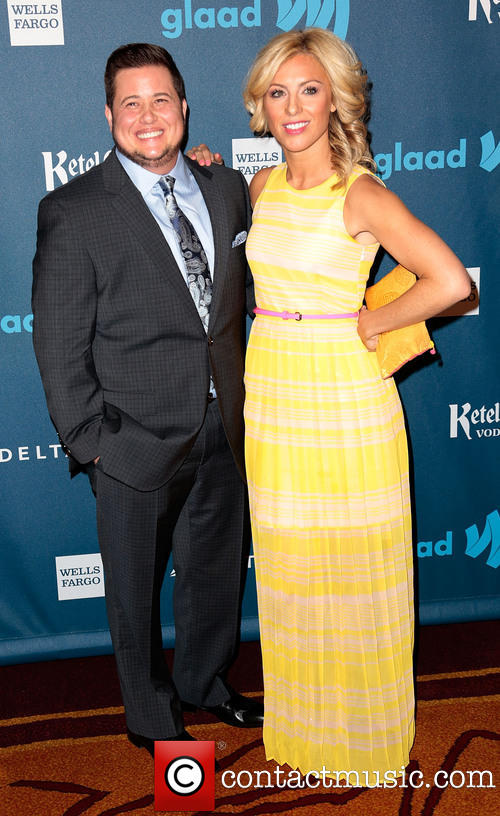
123	355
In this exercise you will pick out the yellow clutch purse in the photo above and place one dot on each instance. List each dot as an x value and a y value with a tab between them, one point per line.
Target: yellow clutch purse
397	347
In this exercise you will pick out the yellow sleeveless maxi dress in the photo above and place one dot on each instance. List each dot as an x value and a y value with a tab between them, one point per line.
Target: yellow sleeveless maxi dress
327	466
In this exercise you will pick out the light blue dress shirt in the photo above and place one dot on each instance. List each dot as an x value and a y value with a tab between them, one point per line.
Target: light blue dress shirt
189	199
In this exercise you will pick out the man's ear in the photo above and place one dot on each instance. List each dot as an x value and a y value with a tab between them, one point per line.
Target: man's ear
109	117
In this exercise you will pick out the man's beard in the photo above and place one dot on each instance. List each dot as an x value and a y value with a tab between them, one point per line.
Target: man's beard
168	157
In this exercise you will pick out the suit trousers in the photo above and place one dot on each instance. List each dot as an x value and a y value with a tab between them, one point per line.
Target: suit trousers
200	517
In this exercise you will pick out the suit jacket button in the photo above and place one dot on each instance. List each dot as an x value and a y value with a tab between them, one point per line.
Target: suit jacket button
210	340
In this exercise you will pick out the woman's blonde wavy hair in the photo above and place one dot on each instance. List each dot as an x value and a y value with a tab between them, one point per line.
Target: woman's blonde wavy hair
348	82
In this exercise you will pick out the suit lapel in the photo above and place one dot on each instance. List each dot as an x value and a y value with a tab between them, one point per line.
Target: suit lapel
128	201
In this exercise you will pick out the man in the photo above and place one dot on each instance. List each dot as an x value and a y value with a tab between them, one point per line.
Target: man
139	301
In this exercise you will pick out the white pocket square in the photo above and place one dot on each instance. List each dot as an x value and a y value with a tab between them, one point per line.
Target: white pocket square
240	239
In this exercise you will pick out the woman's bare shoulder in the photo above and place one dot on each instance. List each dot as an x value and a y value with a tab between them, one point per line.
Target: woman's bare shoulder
258	183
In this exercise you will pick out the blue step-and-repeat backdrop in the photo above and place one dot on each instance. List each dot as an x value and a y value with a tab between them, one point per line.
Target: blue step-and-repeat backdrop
435	129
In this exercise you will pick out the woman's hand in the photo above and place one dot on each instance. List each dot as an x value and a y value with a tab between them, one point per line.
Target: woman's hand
204	156
369	339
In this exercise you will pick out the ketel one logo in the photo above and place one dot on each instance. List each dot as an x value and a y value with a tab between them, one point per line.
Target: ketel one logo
483	422
318	13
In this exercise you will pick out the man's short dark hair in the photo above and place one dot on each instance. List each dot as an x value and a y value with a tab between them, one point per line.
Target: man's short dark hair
138	55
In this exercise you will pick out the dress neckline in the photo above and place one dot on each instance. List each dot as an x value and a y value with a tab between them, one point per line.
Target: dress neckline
307	189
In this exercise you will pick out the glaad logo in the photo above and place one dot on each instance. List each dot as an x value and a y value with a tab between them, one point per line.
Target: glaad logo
15	324
174	21
426	549
490	152
479	416
398	160
417	159
318	13
475	544
62	171
486	6
290	12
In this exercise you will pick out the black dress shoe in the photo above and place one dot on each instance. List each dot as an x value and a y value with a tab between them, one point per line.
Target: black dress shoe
142	742
242	712
149	744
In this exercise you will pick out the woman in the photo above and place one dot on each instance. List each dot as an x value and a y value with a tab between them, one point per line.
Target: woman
326	450
325	440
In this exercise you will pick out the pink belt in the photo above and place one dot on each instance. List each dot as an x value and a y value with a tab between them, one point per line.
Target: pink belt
299	316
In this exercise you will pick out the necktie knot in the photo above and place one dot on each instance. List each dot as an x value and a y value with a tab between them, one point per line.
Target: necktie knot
167	184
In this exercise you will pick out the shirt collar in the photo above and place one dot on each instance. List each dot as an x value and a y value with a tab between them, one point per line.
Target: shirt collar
145	180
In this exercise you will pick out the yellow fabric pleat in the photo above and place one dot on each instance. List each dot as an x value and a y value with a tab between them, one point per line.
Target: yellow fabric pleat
327	467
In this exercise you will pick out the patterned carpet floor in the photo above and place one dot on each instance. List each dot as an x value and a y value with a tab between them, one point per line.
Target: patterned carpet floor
64	751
